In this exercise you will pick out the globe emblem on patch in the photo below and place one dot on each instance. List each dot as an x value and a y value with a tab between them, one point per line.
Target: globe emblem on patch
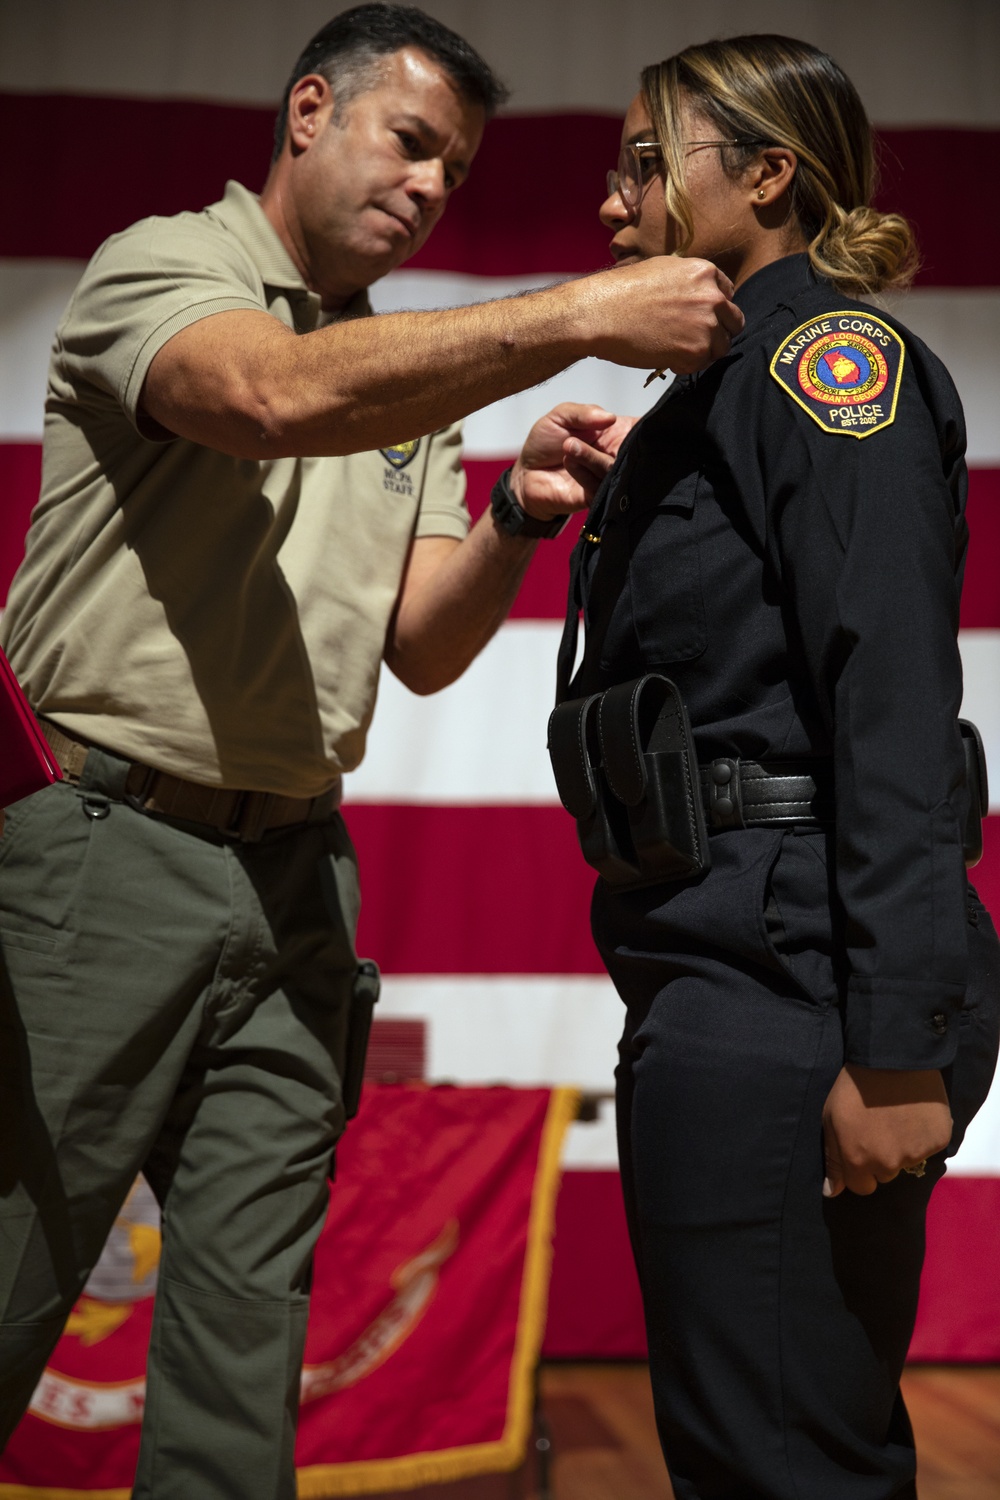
400	454
843	369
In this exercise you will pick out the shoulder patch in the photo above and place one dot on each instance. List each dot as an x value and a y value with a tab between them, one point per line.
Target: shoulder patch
400	454
844	369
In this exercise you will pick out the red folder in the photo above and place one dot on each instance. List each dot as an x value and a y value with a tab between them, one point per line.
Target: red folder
26	762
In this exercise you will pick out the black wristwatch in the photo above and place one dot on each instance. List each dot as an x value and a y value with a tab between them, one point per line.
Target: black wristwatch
514	519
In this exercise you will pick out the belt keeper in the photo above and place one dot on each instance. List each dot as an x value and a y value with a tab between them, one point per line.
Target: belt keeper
725	800
137	800
249	818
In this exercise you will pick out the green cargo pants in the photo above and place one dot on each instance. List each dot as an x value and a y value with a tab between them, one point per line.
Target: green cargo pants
177	1004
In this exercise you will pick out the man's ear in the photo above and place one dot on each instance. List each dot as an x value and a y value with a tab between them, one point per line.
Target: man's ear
310	105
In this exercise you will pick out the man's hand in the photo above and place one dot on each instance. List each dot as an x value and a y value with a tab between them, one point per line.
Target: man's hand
877	1121
668	312
565	456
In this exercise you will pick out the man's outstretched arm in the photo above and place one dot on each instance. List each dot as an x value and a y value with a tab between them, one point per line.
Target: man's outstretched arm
242	383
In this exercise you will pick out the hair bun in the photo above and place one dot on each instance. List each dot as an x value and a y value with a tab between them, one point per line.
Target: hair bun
863	249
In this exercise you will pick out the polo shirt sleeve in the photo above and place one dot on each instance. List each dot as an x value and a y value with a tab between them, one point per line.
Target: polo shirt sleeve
443	511
141	288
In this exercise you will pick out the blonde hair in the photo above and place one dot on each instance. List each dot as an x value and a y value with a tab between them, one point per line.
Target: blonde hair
773	90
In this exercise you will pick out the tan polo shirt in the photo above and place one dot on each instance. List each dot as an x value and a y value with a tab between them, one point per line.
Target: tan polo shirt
219	618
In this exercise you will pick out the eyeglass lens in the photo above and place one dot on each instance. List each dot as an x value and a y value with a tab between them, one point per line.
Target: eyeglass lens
636	166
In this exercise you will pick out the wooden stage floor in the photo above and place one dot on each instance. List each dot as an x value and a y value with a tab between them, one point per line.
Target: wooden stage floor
605	1448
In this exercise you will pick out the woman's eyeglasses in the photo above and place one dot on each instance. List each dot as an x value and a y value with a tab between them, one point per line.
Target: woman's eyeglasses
639	162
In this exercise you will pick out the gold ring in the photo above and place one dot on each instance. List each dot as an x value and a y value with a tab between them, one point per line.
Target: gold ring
918	1170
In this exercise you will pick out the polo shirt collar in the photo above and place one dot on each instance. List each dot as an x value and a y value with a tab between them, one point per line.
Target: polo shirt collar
241	212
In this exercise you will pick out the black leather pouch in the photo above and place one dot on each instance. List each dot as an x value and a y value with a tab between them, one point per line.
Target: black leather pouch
601	823
978	789
626	768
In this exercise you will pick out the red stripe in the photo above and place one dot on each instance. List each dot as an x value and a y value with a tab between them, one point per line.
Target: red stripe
595	1311
543	593
530	206
473	890
495	890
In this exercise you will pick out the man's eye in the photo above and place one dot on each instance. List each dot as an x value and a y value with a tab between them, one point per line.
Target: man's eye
450	181
409	142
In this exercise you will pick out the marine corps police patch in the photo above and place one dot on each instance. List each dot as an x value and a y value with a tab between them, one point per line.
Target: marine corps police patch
400	454
844	369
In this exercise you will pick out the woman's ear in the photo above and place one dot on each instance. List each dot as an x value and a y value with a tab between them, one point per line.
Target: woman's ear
771	175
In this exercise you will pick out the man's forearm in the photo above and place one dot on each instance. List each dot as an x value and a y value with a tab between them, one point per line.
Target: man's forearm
244	384
460	598
401	375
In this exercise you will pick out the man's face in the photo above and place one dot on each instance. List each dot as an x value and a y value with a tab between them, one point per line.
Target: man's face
369	188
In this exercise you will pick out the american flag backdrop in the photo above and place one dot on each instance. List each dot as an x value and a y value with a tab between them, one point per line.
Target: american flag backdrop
475	893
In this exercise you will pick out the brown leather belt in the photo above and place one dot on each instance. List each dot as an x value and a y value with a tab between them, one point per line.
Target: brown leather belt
235	814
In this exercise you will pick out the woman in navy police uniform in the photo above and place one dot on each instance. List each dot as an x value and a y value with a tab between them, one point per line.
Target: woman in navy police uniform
811	1024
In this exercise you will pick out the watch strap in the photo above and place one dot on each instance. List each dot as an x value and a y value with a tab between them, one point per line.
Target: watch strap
512	518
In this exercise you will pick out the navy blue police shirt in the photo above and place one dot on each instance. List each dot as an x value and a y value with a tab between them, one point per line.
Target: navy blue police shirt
783	535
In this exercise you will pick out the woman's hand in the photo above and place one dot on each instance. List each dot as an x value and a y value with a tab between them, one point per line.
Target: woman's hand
565	456
878	1121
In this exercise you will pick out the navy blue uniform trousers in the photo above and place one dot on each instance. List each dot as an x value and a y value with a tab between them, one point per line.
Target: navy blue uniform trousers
778	1320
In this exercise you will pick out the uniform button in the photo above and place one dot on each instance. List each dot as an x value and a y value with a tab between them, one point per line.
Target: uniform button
724	806
722	774
623	502
940	1022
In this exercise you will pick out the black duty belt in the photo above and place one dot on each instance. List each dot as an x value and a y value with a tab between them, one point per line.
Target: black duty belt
244	816
626	768
745	794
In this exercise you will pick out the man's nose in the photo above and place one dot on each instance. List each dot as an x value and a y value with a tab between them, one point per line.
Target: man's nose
427	182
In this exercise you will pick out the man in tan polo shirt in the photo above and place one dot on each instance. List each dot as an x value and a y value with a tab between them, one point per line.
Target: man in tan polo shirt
252	495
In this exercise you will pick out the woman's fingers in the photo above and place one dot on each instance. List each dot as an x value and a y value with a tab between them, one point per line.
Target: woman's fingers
880	1122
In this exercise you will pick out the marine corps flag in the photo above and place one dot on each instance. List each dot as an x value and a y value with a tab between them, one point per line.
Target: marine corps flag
427	1314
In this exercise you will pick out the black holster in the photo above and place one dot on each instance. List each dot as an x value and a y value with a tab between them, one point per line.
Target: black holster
364	997
626	769
977	786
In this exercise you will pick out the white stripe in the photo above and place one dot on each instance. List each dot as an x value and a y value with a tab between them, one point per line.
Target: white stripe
980	1151
482	740
912	62
981	701
520	1029
33	296
963	327
534	1029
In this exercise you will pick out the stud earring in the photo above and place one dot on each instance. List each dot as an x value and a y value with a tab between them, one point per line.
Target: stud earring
761	193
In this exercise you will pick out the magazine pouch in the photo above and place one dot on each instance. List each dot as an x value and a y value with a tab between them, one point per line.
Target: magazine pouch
626	768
